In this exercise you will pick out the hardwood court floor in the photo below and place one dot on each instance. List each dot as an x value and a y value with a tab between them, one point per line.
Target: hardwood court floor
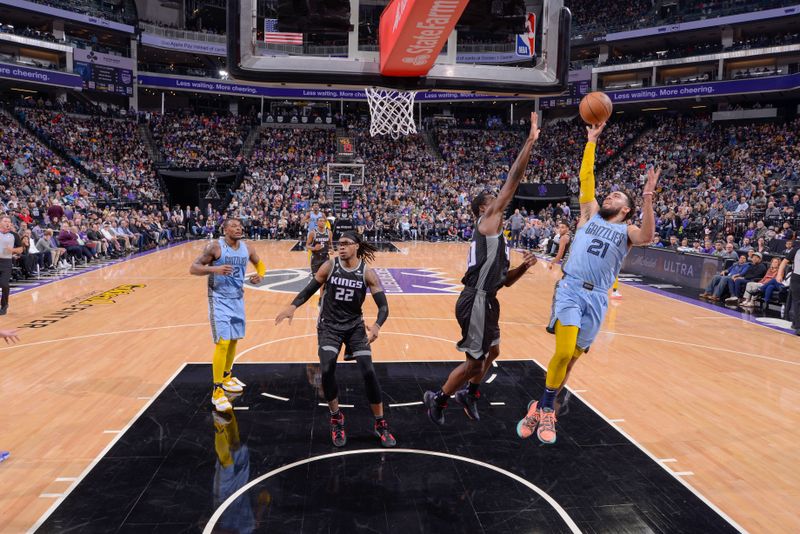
719	396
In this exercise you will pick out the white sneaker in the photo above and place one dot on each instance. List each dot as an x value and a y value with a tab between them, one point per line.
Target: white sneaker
616	294
221	403
233	385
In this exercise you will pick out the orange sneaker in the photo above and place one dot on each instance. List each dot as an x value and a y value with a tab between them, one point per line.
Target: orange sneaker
546	431
527	425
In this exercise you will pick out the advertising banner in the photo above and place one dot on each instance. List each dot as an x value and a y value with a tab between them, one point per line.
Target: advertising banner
725	87
43	76
687	270
413	32
183	45
244	89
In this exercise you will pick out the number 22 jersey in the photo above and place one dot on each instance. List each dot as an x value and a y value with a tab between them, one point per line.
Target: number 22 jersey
343	297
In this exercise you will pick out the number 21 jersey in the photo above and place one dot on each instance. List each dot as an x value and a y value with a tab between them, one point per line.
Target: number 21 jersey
597	252
344	294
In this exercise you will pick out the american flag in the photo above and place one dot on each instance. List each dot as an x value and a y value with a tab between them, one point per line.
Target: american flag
272	35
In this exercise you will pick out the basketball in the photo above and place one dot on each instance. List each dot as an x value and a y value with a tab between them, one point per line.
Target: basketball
596	108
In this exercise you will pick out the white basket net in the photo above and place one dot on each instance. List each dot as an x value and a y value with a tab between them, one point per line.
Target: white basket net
391	112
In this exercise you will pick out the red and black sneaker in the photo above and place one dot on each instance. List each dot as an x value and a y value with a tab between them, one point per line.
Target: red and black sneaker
469	402
382	432
338	436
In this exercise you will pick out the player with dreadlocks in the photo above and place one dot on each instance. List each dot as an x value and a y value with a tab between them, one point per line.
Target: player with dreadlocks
341	322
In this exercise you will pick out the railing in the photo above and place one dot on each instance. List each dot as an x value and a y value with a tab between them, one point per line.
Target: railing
184	35
473	48
92	8
341	50
737	51
302	50
590	29
28	62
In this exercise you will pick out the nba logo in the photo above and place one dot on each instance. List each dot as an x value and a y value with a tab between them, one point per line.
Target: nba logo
526	41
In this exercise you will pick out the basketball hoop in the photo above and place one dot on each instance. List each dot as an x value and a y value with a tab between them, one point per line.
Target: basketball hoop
345	183
391	111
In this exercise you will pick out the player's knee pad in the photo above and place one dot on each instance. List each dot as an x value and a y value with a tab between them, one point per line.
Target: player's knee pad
223	344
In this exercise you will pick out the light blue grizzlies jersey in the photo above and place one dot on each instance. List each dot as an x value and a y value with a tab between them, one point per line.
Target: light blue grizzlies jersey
313	218
232	285
597	252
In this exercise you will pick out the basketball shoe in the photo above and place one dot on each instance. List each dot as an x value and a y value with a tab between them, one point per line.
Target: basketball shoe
435	410
546	431
527	425
469	402
231	384
220	401
338	435
382	432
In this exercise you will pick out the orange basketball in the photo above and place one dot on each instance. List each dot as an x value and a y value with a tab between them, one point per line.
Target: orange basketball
596	108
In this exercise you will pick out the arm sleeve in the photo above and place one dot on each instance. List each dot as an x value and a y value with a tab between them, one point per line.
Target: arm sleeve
587	173
383	307
306	293
261	269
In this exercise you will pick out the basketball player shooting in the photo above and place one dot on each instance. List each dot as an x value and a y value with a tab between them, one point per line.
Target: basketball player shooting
477	308
224	261
601	243
341	322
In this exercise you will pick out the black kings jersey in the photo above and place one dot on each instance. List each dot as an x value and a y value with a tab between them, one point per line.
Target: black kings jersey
321	238
343	297
487	265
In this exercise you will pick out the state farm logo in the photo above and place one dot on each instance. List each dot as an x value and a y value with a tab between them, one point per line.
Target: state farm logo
417	60
92	57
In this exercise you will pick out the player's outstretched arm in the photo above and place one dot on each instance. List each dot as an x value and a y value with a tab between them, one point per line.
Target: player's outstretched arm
379	297
528	261
306	293
261	269
643	235
494	213
589	206
202	264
